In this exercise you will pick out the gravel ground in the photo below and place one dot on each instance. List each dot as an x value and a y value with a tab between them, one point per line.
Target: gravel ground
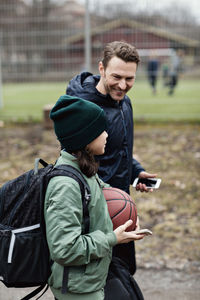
155	284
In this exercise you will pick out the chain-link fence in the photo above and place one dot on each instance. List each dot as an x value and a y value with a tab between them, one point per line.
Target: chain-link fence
48	40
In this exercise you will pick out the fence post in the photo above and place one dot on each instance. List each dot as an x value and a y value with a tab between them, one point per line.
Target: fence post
47	122
87	38
1	85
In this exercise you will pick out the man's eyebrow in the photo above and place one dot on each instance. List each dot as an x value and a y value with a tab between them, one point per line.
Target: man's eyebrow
118	75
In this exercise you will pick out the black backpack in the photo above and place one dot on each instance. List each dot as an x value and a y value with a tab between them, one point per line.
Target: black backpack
24	253
120	283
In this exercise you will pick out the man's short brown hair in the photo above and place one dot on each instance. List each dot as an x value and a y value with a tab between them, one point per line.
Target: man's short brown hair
120	49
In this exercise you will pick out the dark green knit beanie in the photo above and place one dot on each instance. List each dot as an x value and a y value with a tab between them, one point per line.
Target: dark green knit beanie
77	122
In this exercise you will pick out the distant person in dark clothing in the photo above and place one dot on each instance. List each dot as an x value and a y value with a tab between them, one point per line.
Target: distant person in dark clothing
176	68
152	71
165	74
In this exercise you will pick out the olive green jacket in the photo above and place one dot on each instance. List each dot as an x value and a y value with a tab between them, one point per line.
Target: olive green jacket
87	256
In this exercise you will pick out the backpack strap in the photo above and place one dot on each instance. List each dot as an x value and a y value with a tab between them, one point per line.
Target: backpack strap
84	187
67	170
36	291
36	165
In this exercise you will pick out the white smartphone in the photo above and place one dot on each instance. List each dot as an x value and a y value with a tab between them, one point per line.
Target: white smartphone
144	231
151	183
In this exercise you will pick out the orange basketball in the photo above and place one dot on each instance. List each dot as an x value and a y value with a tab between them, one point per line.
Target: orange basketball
121	207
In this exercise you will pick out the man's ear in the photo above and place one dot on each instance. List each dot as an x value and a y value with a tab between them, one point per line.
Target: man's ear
101	69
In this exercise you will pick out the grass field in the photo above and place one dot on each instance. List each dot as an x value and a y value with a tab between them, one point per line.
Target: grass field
184	105
24	102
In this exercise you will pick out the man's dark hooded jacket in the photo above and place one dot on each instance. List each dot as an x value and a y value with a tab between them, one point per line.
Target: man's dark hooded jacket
117	165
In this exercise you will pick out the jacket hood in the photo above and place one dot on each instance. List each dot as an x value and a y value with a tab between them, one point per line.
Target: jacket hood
84	85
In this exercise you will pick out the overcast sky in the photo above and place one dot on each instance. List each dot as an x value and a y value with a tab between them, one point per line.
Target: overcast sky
191	5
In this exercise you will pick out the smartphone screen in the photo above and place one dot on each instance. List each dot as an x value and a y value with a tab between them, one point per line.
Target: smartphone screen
148	182
153	183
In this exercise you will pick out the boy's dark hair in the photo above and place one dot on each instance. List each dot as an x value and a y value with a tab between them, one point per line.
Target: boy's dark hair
86	162
120	49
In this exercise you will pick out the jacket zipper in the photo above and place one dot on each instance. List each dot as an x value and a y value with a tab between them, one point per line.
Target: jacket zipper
125	131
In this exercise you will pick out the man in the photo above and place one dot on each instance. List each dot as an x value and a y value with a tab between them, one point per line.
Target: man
117	166
176	67
152	71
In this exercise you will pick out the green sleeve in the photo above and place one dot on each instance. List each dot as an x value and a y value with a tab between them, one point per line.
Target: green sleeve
63	216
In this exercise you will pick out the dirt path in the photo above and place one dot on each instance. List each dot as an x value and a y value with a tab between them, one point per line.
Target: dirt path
155	284
168	284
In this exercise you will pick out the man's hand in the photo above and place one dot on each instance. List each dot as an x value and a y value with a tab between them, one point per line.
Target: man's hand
142	187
